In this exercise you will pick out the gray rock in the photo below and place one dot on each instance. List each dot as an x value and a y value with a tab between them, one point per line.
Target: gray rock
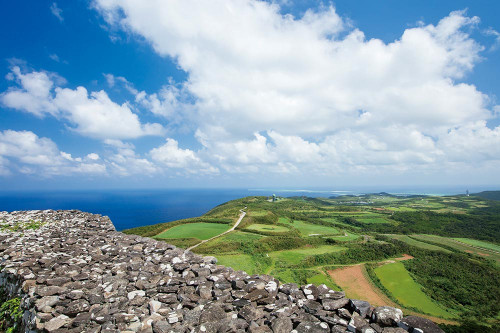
394	330
414	322
250	313
312	327
334	304
161	327
282	325
387	316
56	323
47	301
212	313
361	307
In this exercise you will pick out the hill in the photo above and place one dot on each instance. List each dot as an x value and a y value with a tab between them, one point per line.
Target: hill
490	195
308	240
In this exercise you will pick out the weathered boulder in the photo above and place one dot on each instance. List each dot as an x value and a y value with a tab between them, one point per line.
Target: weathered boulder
414	323
387	316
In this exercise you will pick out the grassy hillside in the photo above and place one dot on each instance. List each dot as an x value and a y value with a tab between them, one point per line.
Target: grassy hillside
303	240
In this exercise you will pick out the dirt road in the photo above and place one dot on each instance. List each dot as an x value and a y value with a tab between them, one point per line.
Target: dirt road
242	215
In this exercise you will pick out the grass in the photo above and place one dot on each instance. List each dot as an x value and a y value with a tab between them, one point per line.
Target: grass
478	243
321	278
267	228
337	222
395	278
416	243
258	213
200	231
238	236
243	262
460	246
309	229
342	238
295	256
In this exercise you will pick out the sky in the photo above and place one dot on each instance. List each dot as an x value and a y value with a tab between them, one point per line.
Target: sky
241	93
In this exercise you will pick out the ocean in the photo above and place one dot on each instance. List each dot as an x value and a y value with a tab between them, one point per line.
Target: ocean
134	208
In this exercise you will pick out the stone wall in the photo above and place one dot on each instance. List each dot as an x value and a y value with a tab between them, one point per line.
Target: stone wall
75	273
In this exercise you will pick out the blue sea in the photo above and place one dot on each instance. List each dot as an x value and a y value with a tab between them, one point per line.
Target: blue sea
133	208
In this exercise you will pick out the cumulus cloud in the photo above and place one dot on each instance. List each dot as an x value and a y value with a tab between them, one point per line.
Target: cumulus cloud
170	102
124	161
273	89
29	153
170	155
25	152
92	114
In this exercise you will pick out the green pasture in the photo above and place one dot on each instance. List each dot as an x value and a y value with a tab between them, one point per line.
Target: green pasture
308	229
336	221
395	278
322	278
461	246
243	262
342	238
258	212
268	228
478	243
230	243
238	236
295	256
200	230
416	243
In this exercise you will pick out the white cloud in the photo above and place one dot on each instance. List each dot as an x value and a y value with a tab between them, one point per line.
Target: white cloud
35	95
170	155
98	117
254	72
56	11
94	115
169	102
32	154
125	162
93	156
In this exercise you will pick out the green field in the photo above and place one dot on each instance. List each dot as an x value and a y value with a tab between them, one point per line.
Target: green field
322	279
295	256
416	243
258	213
343	238
481	244
460	246
238	236
243	262
268	228
337	221
309	229
200	231
395	278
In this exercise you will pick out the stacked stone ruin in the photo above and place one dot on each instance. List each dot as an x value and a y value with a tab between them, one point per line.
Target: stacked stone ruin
75	273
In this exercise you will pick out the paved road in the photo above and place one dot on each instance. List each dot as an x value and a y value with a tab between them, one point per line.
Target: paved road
242	215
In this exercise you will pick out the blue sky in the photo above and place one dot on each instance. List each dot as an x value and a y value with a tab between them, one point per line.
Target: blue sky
108	93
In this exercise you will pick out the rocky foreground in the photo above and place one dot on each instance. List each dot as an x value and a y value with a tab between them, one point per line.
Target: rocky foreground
75	273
